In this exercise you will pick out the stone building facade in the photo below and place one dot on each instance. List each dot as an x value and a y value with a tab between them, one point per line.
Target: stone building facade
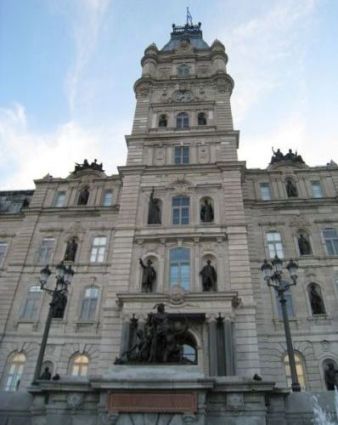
182	199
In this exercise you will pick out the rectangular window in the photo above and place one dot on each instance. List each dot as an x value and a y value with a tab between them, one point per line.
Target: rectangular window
180	267
60	199
31	304
3	251
316	189
46	251
265	191
108	198
180	210
181	155
331	241
98	249
275	246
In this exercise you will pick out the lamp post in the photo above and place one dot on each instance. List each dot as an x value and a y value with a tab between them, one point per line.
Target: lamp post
64	276
272	274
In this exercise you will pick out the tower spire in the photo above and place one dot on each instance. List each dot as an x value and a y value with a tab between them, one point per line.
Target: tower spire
189	18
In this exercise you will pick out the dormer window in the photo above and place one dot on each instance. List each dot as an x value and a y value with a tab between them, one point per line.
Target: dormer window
183	70
202	119
163	122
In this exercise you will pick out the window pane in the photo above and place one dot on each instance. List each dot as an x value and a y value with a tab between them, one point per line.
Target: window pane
331	241
108	198
98	250
46	251
275	246
316	189
265	191
60	199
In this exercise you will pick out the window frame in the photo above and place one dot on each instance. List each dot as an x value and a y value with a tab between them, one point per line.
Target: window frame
276	251
265	185
96	256
181	212
46	259
104	199
180	72
183	266
76	364
57	197
31	305
332	242
14	374
181	155
316	189
202	115
300	365
182	121
89	304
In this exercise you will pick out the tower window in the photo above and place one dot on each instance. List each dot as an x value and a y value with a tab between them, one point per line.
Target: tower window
183	70
60	199
180	210
180	267
202	119
108	198
182	120
163	121
181	155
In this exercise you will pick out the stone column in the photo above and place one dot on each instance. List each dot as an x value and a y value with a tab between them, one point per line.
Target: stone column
125	337
212	346
229	348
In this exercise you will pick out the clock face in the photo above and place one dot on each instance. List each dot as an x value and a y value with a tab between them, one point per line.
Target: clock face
183	96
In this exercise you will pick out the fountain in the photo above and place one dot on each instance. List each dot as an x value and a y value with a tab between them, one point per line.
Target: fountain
322	417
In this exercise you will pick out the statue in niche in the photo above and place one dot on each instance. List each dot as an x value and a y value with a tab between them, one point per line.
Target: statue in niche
304	245
149	275
209	277
316	301
83	197
46	375
58	304
154	212
207	212
291	189
331	377
71	249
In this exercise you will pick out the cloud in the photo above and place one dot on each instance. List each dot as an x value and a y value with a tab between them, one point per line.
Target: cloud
87	22
267	50
31	155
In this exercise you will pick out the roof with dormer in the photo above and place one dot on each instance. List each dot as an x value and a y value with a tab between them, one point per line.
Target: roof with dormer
189	33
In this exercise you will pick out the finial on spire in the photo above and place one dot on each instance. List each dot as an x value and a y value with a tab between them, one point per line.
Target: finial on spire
189	18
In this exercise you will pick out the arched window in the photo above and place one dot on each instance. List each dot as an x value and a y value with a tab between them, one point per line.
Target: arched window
89	304
300	369
163	122
202	118
182	120
31	304
79	365
180	267
180	209
183	70
15	370
316	299
188	350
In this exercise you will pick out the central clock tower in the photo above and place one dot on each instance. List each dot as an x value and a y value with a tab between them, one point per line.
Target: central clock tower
181	208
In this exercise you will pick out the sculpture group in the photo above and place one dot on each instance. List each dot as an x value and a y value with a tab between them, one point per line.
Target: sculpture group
160	341
289	156
88	166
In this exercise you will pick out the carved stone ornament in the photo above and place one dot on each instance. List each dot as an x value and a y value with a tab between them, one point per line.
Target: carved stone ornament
74	400
108	418
177	295
235	401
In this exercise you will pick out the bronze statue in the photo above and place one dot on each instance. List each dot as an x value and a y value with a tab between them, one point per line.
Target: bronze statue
83	197
316	301
331	377
209	277
291	189
46	375
149	276
71	250
154	212
207	212
159	329
304	245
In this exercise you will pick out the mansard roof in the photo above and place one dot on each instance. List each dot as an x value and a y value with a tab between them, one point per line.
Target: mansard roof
191	33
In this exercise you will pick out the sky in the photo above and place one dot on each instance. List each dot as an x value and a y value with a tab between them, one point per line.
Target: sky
67	69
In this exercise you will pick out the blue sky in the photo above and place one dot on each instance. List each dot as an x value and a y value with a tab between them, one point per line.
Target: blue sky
67	69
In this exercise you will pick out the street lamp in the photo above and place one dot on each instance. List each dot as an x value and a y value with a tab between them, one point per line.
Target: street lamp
272	274
64	276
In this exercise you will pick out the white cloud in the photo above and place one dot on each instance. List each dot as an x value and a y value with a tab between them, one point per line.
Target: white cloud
87	22
30	155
